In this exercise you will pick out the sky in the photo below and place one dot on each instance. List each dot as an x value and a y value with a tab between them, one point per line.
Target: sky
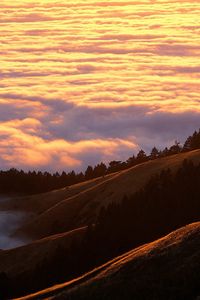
85	81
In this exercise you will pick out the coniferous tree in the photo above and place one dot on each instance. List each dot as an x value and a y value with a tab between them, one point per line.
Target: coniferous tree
141	156
89	172
176	148
99	170
131	161
114	166
154	153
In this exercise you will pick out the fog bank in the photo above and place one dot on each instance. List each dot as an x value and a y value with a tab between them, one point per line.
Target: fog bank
9	222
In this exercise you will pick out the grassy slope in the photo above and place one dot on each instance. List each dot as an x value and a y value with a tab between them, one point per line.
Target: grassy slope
168	268
79	209
37	204
24	259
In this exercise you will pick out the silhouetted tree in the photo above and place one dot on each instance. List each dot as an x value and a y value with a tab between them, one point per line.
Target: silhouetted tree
141	156
100	170
131	161
89	172
114	166
154	153
176	148
192	142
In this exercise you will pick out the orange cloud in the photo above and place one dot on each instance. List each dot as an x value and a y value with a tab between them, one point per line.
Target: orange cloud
21	147
75	76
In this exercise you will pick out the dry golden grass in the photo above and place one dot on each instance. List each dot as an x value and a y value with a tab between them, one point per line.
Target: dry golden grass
37	204
166	268
82	207
24	259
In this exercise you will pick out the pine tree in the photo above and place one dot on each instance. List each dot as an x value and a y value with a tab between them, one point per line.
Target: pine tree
89	172
141	156
154	153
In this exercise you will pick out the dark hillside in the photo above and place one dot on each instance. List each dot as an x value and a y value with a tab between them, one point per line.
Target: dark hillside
167	269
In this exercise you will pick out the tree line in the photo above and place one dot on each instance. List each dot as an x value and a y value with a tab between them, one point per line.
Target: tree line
32	182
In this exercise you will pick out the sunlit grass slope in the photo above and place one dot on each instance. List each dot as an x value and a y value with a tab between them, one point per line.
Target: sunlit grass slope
82	207
167	268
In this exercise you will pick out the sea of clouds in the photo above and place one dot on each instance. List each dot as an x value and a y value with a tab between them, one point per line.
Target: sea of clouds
86	81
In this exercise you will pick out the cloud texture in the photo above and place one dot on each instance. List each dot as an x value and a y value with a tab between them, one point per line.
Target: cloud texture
85	81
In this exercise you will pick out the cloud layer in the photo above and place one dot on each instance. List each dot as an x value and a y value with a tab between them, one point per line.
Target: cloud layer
85	81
